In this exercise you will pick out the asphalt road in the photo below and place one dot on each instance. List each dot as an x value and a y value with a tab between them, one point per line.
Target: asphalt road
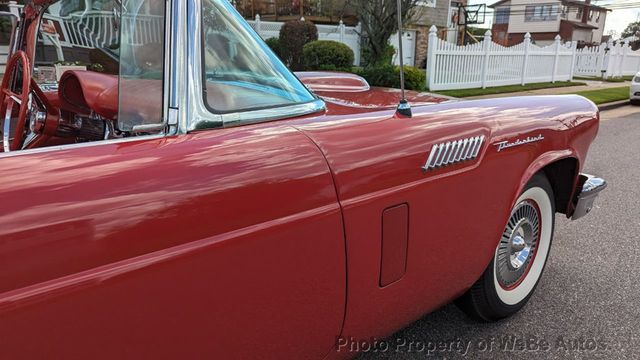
587	305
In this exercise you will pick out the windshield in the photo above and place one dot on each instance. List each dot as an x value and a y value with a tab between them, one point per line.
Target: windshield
240	71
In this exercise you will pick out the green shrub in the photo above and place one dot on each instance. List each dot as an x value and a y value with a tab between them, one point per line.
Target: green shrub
389	76
274	44
328	55
387	58
294	35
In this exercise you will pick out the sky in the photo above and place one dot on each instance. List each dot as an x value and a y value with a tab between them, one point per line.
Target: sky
617	20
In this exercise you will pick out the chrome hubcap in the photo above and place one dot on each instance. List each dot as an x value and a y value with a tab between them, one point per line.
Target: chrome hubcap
518	244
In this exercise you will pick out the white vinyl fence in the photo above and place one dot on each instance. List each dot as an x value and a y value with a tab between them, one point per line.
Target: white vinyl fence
488	64
345	34
620	60
607	60
590	61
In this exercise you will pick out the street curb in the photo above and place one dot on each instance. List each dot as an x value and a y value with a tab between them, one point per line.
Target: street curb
613	105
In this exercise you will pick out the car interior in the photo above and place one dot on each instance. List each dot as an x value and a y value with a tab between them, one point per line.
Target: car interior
91	80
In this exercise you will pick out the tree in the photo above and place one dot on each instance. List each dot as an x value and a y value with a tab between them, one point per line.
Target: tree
294	35
631	30
379	19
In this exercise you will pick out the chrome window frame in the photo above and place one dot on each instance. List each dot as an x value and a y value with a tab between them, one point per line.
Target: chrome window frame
199	116
173	61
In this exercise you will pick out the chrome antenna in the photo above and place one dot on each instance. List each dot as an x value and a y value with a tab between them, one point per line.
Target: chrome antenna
404	108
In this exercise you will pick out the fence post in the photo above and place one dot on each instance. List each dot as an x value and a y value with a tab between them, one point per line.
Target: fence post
486	47
574	56
431	56
525	62
258	25
616	68
358	30
609	59
14	8
625	50
601	63
557	57
341	29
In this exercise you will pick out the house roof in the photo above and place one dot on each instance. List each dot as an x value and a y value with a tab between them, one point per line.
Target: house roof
582	3
498	3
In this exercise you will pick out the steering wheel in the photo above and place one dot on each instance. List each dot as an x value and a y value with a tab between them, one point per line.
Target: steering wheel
8	100
38	119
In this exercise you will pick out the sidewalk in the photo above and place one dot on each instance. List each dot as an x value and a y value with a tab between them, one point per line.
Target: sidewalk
591	85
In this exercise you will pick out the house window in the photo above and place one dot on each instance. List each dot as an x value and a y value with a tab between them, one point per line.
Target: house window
598	17
541	13
502	15
427	3
579	13
591	13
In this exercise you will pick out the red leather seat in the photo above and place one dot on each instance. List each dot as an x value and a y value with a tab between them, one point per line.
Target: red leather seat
82	92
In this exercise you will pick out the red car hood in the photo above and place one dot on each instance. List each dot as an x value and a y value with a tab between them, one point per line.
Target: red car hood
342	90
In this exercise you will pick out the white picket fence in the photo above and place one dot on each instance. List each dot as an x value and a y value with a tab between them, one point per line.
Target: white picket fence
488	64
347	35
608	60
590	61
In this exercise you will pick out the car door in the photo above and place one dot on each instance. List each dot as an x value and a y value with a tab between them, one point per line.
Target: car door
220	244
417	236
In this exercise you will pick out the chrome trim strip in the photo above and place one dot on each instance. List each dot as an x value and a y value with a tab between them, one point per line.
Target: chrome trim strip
80	146
431	154
172	56
197	113
452	152
465	144
472	148
444	149
7	129
476	150
252	117
470	144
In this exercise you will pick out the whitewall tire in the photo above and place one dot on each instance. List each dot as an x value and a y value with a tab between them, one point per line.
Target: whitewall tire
520	257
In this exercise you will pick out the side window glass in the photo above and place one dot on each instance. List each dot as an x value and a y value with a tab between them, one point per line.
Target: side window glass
141	63
240	72
121	42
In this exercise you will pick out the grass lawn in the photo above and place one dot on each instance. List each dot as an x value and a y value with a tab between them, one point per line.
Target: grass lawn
507	89
604	96
612	80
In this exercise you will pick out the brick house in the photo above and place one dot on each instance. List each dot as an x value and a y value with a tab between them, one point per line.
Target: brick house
573	20
441	13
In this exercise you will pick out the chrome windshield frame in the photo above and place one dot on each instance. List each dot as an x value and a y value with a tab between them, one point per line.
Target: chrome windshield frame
198	115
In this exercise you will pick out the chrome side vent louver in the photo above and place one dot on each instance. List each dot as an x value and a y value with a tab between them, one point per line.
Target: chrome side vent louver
452	152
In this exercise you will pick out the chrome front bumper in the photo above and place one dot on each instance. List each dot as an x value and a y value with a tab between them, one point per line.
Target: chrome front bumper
591	188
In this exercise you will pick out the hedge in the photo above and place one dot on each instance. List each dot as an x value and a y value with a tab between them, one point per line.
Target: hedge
328	55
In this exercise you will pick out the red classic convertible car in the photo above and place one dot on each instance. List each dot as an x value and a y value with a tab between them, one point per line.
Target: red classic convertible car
179	194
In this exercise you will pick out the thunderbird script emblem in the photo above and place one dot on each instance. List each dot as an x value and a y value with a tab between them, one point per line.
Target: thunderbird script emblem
504	145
